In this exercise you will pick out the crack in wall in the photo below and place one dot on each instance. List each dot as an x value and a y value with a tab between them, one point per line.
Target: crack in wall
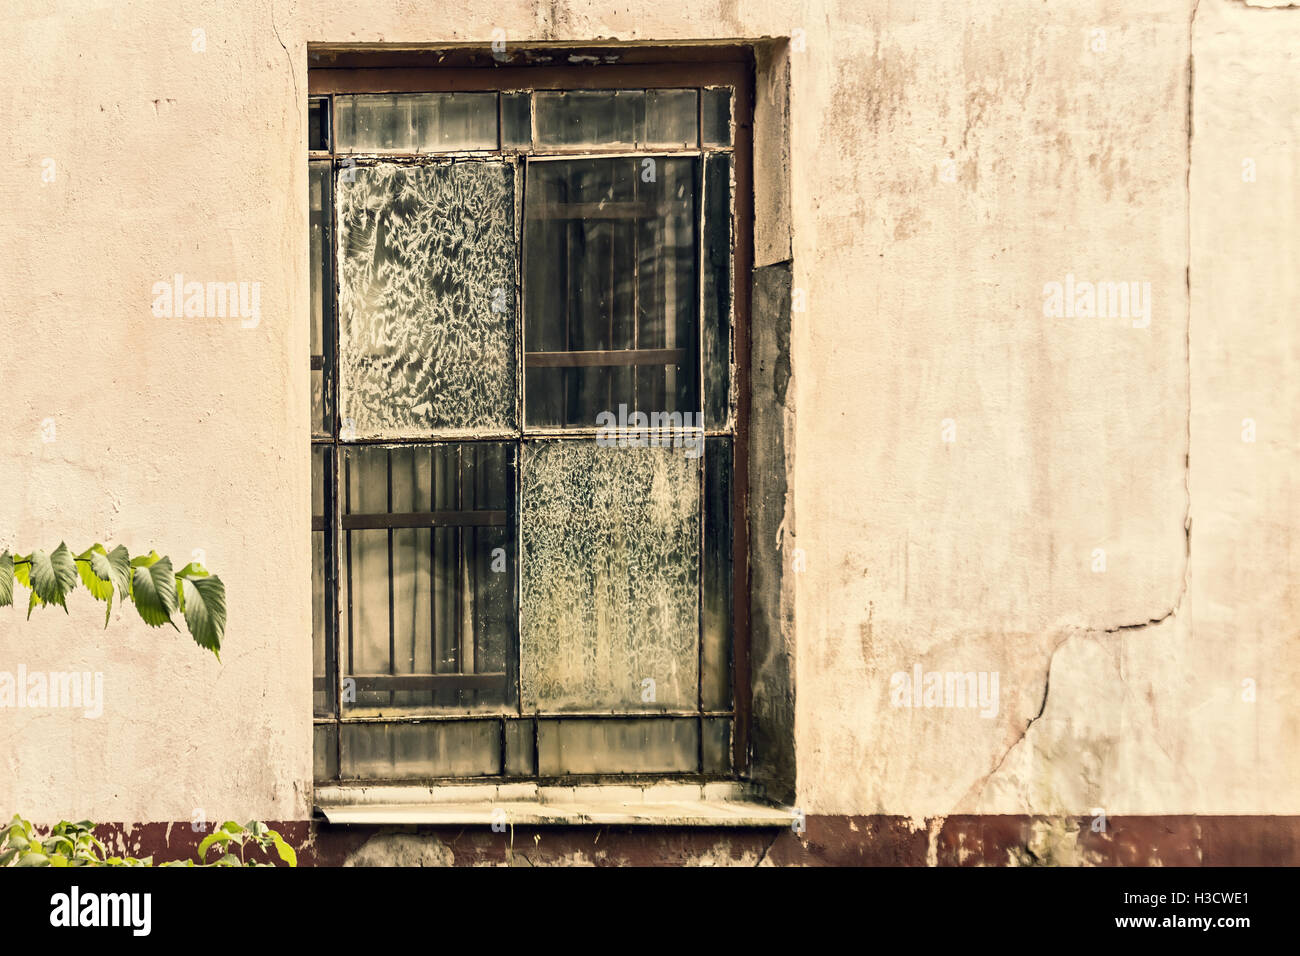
977	788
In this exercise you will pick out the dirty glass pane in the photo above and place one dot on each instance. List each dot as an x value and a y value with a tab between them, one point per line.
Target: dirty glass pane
325	752
588	117
318	130
715	116
516	119
521	751
609	607
322	291
613	745
451	748
715	576
715	745
610	266
428	552
671	119
426	298
718	375
407	122
322	654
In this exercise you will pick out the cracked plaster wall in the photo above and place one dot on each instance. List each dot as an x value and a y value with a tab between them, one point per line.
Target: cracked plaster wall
924	303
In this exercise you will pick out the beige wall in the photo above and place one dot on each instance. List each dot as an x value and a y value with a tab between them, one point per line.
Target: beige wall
924	302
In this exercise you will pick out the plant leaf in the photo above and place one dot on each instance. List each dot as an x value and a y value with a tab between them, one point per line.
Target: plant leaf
53	575
103	570
203	602
217	836
286	852
94	569
153	586
6	579
192	570
23	570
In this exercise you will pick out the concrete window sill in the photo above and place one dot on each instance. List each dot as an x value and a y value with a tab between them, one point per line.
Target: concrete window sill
520	804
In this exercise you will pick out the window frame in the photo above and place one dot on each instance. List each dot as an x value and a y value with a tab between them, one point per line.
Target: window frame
729	67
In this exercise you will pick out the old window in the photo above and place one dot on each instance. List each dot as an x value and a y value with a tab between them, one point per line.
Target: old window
527	444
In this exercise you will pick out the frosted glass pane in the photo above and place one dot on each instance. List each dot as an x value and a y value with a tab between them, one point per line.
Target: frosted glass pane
609	608
426	298
406	122
610	745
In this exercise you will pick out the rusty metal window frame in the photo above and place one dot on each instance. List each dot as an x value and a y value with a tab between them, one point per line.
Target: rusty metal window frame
734	69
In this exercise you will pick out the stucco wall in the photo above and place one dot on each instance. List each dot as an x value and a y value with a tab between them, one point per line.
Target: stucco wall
946	162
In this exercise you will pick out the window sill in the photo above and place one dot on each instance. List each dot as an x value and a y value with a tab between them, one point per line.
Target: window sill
682	805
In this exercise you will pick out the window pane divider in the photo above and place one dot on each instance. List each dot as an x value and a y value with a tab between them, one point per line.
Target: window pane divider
601	358
425	519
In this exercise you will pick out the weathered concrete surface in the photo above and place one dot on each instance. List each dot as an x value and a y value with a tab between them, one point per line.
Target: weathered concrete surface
855	840
945	163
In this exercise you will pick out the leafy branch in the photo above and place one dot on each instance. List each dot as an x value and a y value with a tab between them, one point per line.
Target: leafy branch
75	844
148	581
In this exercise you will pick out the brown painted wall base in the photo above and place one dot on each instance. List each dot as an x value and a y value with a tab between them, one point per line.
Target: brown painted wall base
1183	840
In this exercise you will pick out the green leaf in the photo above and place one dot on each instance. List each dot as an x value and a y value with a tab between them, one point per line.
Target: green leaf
54	575
153	586
119	564
8	855
203	601
23	570
95	574
230	826
192	570
286	852
119	567
218	836
6	579
34	859
102	570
